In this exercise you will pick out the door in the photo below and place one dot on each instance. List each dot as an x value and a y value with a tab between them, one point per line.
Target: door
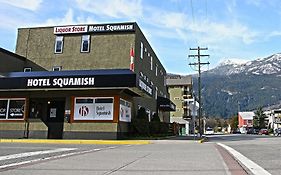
55	118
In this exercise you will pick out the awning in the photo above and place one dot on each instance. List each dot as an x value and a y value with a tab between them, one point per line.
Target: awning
165	104
71	80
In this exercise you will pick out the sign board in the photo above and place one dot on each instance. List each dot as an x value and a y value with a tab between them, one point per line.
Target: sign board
60	82
70	29
129	27
90	108
12	108
53	113
125	111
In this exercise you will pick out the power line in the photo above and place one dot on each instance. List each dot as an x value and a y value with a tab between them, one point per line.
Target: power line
199	64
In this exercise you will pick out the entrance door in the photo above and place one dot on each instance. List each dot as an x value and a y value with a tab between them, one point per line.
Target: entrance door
55	118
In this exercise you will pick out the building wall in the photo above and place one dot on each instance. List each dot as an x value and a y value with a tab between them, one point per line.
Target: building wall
107	51
177	99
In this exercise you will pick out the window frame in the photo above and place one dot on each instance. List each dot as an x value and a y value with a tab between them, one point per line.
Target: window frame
57	67
85	38
141	50
27	69
59	39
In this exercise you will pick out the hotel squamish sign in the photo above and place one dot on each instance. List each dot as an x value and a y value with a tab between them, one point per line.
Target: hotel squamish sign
112	28
60	82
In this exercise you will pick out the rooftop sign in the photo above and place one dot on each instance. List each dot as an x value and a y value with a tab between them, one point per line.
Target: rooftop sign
112	28
70	29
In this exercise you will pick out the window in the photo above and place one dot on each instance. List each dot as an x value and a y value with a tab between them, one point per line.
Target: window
177	98
85	44
59	44
156	93
156	70
27	69
57	68
141	54
12	109
151	63
148	54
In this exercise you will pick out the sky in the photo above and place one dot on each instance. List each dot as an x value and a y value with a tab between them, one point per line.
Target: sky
238	30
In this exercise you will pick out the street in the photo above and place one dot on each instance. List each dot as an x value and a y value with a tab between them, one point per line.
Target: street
263	150
173	156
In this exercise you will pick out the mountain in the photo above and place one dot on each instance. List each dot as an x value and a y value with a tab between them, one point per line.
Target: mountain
246	86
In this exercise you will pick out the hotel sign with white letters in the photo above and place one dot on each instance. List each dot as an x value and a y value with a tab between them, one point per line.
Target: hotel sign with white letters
112	28
60	82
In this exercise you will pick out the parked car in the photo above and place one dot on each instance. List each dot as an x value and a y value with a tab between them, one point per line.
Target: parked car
209	131
236	131
277	132
252	131
263	132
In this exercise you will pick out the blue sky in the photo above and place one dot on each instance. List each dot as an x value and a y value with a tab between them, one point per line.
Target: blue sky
239	30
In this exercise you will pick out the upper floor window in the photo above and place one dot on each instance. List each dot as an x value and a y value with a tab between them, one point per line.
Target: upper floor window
141	52
57	68
59	44
27	69
151	63
85	44
156	70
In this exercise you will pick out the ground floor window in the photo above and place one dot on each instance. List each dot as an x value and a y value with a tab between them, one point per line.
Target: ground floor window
125	111
93	108
12	108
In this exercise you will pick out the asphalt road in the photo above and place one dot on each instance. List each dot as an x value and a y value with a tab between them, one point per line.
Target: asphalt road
165	157
263	150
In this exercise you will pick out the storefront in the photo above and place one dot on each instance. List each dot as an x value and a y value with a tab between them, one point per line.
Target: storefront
94	104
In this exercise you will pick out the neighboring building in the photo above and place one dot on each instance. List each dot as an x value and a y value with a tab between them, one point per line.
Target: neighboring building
245	121
180	90
97	77
11	62
274	118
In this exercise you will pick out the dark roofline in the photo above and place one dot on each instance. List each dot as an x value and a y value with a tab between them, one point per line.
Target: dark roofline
135	23
12	54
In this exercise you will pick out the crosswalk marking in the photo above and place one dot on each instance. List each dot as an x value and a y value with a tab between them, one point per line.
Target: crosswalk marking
28	154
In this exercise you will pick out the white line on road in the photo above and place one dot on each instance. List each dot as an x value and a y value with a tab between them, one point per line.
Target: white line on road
28	154
252	166
46	158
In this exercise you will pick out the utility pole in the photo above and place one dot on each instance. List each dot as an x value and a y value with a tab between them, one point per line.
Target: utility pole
199	64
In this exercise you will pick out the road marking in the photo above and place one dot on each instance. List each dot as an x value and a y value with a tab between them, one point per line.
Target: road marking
28	154
46	158
252	166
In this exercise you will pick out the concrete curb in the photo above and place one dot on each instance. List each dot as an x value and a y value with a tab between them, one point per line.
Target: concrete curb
205	139
96	142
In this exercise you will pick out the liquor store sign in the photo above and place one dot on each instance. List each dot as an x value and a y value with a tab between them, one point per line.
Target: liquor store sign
12	108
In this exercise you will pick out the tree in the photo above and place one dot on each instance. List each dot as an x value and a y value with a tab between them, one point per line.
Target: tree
259	119
234	123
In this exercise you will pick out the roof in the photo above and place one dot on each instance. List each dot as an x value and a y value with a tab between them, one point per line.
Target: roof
12	54
68	73
247	115
179	80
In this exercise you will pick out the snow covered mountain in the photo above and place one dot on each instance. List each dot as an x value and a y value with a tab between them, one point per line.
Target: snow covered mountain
264	66
252	84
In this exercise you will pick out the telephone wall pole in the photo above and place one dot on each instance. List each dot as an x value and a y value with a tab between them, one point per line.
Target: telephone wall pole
199	64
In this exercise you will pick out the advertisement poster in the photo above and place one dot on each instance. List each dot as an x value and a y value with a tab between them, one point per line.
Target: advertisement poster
12	108
3	109
90	108
125	111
